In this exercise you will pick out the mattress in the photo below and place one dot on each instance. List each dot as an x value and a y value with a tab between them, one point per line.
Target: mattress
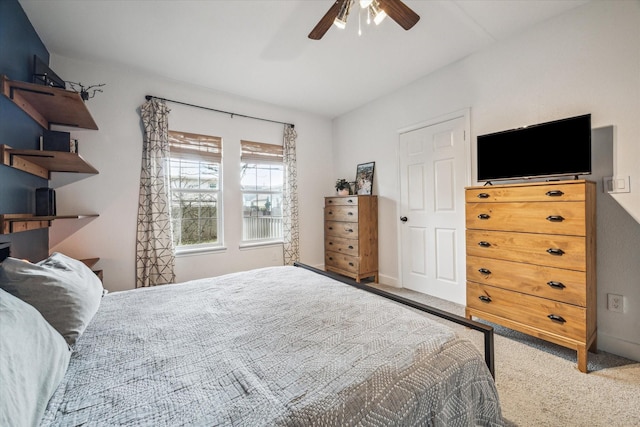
278	346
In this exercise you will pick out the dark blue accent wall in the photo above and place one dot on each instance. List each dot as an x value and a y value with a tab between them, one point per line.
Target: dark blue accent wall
19	42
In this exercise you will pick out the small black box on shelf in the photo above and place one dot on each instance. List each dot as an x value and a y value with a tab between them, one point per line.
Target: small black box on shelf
45	202
53	140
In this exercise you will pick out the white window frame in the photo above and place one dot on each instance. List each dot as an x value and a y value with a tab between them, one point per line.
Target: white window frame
203	149
261	154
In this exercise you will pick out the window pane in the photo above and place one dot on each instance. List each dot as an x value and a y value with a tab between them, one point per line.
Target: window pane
209	173
262	177
183	173
194	217
263	181
193	174
262	216
277	178
248	177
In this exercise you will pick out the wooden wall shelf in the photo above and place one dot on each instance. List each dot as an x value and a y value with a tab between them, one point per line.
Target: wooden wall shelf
49	105
42	163
15	223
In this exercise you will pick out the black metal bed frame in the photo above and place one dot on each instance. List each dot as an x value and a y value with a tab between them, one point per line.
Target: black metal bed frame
486	330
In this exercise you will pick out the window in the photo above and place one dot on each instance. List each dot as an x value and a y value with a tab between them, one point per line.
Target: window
195	172
262	178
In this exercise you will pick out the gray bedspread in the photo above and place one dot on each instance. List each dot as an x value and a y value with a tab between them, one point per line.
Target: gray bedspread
278	346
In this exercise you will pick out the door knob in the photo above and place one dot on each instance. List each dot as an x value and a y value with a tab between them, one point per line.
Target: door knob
403	218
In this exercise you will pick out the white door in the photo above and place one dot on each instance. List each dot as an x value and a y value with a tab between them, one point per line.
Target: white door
433	174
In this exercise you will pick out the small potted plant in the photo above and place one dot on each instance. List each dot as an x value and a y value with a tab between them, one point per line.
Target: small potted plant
342	187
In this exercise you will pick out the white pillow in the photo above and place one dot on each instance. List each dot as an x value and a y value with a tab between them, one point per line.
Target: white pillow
64	290
33	360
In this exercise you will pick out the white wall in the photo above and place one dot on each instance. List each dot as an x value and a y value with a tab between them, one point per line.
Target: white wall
586	61
115	150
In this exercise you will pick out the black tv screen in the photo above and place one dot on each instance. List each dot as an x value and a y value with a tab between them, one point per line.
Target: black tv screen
551	149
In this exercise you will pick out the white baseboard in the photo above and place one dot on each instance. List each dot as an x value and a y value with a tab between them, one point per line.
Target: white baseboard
388	280
611	344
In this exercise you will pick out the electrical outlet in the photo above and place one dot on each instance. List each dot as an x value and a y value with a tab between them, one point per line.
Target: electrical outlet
615	303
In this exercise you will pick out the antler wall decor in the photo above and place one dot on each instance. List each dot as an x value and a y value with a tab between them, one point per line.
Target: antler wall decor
84	91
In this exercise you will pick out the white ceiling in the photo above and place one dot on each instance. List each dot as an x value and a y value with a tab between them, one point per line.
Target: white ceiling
259	48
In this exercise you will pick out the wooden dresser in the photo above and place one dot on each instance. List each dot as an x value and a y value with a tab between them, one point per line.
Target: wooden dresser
531	260
351	236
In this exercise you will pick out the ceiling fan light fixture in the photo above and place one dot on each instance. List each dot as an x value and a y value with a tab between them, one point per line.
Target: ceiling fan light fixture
342	24
376	10
343	14
378	14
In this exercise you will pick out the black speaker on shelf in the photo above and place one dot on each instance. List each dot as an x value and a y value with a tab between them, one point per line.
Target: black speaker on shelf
53	140
45	202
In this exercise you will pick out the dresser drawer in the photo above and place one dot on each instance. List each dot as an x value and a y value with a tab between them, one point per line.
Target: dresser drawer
341	213
567	252
530	217
341	245
341	201
547	282
341	229
565	192
550	316
342	262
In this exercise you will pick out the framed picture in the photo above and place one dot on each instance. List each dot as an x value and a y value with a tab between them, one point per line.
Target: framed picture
364	178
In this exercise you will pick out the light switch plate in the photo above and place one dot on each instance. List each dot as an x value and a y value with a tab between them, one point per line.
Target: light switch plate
614	184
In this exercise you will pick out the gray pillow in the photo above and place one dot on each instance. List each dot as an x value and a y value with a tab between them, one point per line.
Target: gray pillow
64	290
33	360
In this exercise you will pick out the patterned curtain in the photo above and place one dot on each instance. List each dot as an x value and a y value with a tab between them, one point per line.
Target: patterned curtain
290	203
155	257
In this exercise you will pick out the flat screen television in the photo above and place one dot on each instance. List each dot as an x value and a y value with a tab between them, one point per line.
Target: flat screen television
551	149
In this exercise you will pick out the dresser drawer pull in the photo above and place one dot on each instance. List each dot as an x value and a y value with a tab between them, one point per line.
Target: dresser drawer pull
556	318
483	196
556	285
555	193
484	298
330	228
330	201
351	264
554	251
330	258
349	230
484	271
350	201
351	214
484	244
484	216
350	247
555	218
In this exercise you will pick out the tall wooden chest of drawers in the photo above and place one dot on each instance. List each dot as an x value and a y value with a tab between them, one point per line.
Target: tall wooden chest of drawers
531	260
351	236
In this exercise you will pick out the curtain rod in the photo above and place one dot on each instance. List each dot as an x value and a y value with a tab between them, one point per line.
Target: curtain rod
148	97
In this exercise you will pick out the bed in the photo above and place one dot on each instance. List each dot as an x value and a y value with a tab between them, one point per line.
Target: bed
277	346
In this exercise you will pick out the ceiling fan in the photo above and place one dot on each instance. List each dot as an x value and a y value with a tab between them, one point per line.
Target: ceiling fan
337	14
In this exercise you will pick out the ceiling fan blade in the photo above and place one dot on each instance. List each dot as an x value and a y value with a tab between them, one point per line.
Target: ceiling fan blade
327	20
400	12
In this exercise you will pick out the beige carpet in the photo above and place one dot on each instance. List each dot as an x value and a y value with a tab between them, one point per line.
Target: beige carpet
540	385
